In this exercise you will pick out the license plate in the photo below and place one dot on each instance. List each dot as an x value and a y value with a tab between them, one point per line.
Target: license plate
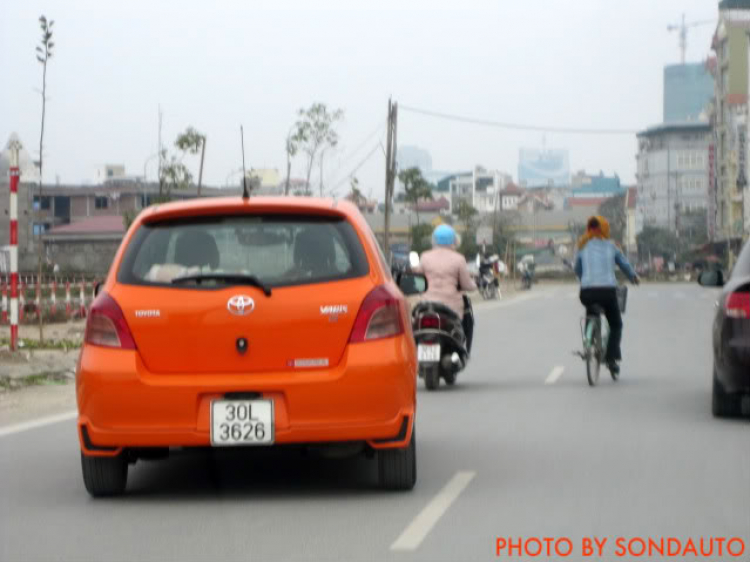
242	422
428	353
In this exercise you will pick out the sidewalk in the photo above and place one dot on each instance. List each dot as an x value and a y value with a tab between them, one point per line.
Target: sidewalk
30	364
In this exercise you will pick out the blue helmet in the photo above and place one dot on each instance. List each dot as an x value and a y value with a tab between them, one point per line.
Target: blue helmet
444	235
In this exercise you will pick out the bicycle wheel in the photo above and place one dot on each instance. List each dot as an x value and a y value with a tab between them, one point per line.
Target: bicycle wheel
593	351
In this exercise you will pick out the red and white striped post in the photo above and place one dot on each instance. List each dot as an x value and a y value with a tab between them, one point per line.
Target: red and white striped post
15	175
83	298
53	298
68	305
5	302
38	296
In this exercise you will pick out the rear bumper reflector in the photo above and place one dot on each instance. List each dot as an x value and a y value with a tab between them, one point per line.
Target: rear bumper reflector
399	437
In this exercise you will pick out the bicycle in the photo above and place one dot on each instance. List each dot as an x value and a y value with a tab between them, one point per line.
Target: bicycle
595	336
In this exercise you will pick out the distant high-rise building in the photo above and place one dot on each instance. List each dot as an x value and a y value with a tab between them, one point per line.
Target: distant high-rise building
688	90
414	157
542	168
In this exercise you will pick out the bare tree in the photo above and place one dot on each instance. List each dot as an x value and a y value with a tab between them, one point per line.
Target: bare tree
193	142
315	131
43	54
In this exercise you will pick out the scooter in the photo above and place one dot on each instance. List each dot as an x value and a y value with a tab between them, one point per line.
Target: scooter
441	342
438	332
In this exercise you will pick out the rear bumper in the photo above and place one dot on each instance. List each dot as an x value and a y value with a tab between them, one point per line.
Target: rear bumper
733	357
367	397
734	377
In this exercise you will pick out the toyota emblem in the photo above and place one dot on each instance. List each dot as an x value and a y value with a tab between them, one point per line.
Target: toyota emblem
240	305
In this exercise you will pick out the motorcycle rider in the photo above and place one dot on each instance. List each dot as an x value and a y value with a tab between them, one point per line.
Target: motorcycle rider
595	267
447	276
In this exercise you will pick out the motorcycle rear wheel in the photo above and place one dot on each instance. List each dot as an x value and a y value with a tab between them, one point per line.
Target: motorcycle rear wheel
432	377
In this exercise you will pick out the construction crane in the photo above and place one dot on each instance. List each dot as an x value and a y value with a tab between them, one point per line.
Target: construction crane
683	29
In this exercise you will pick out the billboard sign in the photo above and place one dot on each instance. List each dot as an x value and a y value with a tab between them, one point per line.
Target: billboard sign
543	167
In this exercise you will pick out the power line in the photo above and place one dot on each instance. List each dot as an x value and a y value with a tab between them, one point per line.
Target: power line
357	167
518	126
352	153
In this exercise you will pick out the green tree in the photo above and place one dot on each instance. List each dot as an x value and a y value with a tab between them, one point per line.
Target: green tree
466	212
658	242
193	142
355	195
293	140
503	233
421	235
416	188
315	131
694	227
613	209
174	174
43	54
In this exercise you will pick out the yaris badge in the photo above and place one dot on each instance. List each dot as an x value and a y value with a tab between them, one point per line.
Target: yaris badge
240	305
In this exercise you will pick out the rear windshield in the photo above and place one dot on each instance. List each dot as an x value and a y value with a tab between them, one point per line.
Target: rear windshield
278	250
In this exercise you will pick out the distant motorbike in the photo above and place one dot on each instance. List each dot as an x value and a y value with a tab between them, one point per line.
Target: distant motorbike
486	282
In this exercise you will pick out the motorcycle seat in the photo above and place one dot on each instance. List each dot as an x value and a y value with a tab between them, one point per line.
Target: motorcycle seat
437	307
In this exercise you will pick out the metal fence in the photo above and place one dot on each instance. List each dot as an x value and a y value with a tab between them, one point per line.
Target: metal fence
57	298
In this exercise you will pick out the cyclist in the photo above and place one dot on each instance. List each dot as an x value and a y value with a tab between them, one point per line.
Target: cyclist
595	267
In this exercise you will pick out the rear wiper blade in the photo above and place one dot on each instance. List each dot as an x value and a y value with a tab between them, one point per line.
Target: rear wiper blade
233	278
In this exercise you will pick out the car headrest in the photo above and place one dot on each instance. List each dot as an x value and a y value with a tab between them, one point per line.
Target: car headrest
196	248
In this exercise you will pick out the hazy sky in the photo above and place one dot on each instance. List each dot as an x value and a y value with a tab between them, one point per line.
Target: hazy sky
216	64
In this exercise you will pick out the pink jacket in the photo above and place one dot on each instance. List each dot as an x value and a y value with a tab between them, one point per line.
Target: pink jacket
447	275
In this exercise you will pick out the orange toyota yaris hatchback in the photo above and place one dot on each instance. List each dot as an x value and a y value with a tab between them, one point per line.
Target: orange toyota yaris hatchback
246	322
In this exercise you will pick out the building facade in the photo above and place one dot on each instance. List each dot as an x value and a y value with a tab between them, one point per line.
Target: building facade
730	43
481	188
672	173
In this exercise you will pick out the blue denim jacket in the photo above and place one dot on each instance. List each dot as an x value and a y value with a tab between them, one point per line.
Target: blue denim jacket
595	264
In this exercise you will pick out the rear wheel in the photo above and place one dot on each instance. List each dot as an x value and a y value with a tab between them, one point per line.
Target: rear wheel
723	404
432	377
593	353
397	468
104	476
450	377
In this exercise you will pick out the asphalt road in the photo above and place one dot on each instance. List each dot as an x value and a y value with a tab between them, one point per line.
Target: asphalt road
521	447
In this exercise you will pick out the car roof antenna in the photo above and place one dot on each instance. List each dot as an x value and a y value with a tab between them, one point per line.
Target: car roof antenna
245	194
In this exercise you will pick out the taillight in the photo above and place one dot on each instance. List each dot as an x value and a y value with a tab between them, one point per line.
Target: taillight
738	305
106	325
379	317
429	322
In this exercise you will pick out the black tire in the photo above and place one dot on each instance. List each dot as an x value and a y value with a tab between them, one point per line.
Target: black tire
432	377
397	468
104	476
593	361
723	404
450	377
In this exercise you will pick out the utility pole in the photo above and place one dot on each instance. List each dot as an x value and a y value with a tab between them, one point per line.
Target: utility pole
669	186
160	154
390	174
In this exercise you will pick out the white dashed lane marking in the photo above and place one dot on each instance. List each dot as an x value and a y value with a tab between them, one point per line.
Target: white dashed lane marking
423	523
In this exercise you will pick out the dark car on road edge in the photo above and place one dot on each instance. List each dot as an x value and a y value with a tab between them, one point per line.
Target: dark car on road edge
731	338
